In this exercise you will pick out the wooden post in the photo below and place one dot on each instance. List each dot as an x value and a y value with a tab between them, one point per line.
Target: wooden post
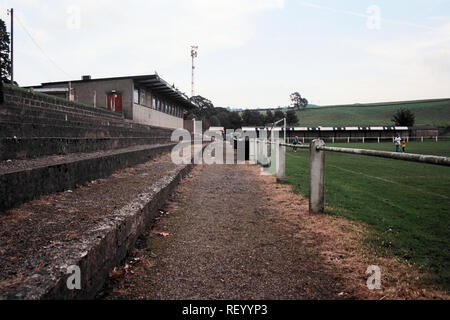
378	139
281	162
317	178
348	140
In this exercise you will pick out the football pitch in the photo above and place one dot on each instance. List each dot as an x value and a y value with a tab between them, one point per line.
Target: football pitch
405	204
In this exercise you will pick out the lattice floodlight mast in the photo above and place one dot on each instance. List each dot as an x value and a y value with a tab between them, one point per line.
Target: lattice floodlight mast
194	54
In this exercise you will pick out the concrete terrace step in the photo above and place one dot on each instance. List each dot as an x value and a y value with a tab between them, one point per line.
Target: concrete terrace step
38	112
91	227
28	148
20	97
10	129
17	114
24	180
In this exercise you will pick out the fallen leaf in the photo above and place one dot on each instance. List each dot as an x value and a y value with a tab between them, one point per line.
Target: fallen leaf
164	234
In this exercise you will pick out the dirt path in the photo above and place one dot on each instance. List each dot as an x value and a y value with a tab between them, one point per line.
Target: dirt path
223	238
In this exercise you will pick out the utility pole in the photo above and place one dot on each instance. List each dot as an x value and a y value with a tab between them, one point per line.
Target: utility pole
194	53
11	12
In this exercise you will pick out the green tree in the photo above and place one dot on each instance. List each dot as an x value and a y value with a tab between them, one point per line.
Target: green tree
252	118
235	120
291	117
269	117
214	121
404	118
298	101
5	61
204	108
224	118
279	115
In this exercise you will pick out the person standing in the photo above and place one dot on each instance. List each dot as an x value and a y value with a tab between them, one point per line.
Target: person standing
398	142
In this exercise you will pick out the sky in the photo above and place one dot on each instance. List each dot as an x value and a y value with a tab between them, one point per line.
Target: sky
252	53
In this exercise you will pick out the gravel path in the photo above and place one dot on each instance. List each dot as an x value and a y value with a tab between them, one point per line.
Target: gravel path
222	239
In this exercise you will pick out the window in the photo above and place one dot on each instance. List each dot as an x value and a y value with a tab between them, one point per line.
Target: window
136	96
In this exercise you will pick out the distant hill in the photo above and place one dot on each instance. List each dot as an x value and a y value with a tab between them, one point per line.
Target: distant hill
434	112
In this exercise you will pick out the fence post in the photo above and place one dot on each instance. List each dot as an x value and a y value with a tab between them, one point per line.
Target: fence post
421	139
317	178
265	153
281	162
252	156
378	139
258	151
436	138
364	139
348	140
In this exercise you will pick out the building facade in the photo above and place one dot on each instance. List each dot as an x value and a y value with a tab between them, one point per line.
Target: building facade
145	99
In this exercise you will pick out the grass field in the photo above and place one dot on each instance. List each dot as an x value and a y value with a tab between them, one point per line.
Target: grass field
406	205
432	112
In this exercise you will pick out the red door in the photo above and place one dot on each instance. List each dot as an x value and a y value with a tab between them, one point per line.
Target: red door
115	102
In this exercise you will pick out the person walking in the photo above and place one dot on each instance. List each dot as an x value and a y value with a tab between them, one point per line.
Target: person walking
295	142
398	143
403	145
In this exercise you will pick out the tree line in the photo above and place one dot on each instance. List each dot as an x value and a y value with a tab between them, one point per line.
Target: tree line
221	117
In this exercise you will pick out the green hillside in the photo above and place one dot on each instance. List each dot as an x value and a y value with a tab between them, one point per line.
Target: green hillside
428	112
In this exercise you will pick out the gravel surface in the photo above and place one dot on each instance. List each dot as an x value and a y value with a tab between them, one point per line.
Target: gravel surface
31	234
220	238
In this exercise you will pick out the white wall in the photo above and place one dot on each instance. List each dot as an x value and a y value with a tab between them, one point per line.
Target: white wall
148	116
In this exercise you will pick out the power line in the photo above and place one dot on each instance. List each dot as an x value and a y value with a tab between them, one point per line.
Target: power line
40	48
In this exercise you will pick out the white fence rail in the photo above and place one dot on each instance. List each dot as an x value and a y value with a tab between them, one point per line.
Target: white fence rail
261	154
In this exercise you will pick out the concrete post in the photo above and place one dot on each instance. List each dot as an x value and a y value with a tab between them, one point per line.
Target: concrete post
256	151
281	162
364	139
265	153
348	140
421	139
378	139
436	138
252	156
317	178
259	160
